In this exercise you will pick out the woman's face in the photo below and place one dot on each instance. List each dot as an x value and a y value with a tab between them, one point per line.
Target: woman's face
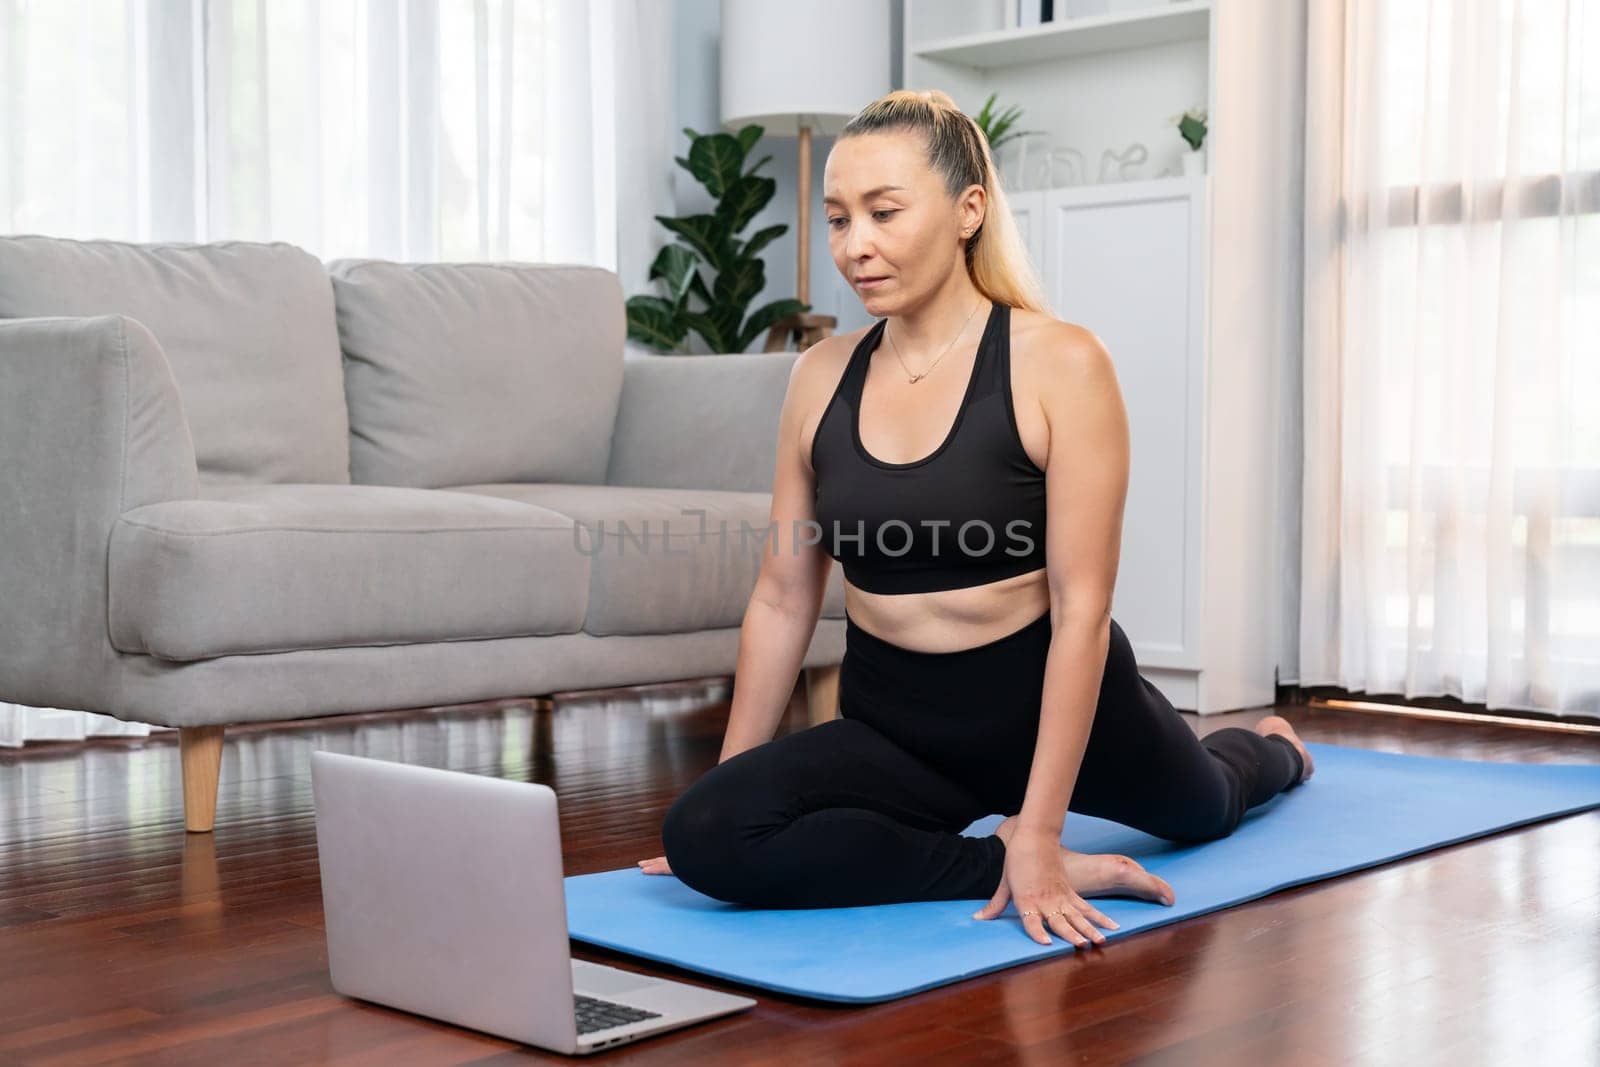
889	218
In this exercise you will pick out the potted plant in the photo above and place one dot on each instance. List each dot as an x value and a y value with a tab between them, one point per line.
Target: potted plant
711	241
996	127
1192	128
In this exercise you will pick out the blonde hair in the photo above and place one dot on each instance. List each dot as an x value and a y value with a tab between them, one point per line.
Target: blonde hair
997	260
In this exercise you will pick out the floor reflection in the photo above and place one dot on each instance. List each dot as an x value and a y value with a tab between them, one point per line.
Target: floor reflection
118	803
117	924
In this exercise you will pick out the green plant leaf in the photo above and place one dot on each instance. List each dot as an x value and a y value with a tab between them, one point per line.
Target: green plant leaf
697	286
762	238
675	265
737	274
748	136
744	200
709	329
727	314
706	234
739	284
1192	130
654	322
716	160
763	317
997	127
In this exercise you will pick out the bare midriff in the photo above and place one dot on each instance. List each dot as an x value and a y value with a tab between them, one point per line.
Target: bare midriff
949	620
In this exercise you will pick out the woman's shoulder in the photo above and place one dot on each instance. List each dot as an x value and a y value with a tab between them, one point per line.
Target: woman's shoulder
1064	369
818	374
1040	328
820	367
1045	349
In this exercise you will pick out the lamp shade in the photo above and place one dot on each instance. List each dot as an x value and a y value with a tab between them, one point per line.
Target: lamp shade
784	61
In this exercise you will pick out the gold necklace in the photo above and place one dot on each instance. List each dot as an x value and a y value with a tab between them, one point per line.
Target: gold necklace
915	378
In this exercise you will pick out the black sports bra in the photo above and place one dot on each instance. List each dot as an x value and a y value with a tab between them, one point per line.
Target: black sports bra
970	512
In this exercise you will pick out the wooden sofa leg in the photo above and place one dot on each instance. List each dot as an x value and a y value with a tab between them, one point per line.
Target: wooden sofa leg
822	693
200	748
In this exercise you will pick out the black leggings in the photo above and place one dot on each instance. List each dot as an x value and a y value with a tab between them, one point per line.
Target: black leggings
868	808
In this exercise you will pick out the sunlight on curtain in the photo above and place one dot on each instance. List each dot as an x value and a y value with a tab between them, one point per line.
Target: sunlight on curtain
1451	526
405	129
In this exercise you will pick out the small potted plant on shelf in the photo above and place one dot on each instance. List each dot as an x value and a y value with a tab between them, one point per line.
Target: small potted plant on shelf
997	130
1192	128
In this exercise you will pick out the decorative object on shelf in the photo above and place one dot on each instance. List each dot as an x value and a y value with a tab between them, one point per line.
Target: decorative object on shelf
769	77
1011	149
1023	162
1123	161
717	162
1192	128
1066	167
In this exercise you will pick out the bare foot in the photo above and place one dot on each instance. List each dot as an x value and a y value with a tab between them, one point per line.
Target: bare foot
1102	873
1277	724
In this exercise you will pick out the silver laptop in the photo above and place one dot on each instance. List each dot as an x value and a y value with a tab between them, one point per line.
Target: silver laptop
443	896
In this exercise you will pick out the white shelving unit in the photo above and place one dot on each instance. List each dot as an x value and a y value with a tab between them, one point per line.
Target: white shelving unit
1133	261
1000	47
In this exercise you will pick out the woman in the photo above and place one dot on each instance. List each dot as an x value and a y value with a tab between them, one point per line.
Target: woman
966	460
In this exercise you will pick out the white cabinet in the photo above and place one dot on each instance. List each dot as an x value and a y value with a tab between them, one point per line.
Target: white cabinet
1133	261
1126	262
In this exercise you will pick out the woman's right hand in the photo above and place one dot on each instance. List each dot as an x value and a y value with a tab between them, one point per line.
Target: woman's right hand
655	866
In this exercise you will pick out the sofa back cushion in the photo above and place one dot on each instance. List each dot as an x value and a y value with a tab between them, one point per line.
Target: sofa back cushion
460	373
248	329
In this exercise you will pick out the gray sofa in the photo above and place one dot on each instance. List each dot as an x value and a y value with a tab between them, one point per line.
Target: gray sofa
240	484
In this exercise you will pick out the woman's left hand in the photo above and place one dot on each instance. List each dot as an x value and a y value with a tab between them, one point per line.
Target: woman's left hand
1035	876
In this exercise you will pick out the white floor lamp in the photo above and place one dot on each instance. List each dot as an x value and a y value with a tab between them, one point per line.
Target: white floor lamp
793	68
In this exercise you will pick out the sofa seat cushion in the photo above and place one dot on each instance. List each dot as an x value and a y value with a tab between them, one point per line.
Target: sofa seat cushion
274	568
656	564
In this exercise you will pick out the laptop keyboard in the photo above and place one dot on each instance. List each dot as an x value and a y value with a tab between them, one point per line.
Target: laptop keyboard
596	1014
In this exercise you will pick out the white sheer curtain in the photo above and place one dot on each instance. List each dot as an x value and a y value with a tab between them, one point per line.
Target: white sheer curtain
402	129
415	129
1451	506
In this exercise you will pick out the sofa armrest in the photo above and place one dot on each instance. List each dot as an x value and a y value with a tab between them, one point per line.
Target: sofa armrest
90	426
700	421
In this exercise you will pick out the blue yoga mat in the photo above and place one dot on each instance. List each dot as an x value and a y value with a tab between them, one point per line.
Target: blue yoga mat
1360	809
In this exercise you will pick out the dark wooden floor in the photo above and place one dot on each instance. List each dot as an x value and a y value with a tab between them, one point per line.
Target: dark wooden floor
125	940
